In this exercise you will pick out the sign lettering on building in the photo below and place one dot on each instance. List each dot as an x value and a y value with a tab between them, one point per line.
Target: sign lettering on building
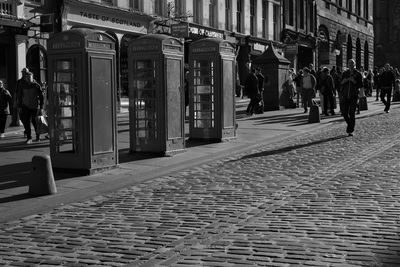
97	17
66	45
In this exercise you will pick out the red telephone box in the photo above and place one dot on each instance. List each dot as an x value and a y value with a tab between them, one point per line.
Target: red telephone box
212	90
82	99
156	94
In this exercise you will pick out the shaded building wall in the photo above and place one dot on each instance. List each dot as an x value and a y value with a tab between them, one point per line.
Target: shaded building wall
387	32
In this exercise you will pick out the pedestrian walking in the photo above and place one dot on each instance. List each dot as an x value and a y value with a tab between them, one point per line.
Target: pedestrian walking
288	92
298	80
308	88
387	82
261	81
251	89
30	104
327	89
378	83
5	104
350	87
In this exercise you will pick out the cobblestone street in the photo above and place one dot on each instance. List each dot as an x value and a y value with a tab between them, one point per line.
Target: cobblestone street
321	199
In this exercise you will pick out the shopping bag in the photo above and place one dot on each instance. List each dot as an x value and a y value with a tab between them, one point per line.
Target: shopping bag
41	125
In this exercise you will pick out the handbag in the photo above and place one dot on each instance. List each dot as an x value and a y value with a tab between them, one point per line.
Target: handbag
41	125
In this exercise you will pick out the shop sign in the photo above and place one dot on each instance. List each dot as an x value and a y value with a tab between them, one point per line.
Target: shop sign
180	30
260	47
205	32
113	20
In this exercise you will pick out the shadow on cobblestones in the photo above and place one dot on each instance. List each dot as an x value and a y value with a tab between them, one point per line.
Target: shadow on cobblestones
289	148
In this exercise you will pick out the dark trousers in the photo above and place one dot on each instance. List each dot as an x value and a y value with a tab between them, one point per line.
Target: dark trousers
329	102
251	108
348	109
306	97
386	92
3	121
28	115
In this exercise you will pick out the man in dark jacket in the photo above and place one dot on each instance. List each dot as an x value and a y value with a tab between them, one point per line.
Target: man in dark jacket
251	88
327	89
5	103
387	81
30	102
350	87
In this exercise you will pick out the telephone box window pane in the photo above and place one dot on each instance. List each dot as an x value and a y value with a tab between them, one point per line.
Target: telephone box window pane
65	85
145	100
204	84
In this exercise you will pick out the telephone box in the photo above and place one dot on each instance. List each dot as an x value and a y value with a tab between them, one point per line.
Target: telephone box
212	90
156	94
82	99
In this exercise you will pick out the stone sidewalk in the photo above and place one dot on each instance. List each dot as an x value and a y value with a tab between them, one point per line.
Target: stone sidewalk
270	127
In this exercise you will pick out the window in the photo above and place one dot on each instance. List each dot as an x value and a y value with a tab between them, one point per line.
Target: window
36	2
290	12
366	9
311	17
228	15
276	22
213	14
161	8
180	9
349	5
358	8
302	14
107	2
264	19
339	6
134	4
327	4
239	14
197	11
253	17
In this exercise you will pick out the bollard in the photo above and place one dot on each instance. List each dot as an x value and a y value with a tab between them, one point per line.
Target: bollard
314	115
42	182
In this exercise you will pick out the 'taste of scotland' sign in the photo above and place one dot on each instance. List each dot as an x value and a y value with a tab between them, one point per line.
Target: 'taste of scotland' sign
112	19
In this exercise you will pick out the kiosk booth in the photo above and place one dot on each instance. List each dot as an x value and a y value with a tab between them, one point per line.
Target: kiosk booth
82	99
212	81
156	94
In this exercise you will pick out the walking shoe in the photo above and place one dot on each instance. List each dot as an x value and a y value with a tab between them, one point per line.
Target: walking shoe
2	135
350	134
29	141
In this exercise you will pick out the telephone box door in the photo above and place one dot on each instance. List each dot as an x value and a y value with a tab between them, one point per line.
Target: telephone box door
203	98
146	105
64	124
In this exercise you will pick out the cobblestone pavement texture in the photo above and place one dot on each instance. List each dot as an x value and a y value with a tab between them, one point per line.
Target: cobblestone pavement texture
320	199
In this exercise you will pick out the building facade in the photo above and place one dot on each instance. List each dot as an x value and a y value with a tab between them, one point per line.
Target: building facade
345	30
387	32
298	34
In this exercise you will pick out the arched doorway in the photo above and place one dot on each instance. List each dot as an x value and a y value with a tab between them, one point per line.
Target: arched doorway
349	48
358	54
366	56
323	46
36	61
338	50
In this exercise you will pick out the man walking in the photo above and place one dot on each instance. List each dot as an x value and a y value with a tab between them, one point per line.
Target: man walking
251	88
387	83
30	102
308	88
350	87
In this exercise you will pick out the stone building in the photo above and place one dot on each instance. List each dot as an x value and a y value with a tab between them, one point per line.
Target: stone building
345	30
387	32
